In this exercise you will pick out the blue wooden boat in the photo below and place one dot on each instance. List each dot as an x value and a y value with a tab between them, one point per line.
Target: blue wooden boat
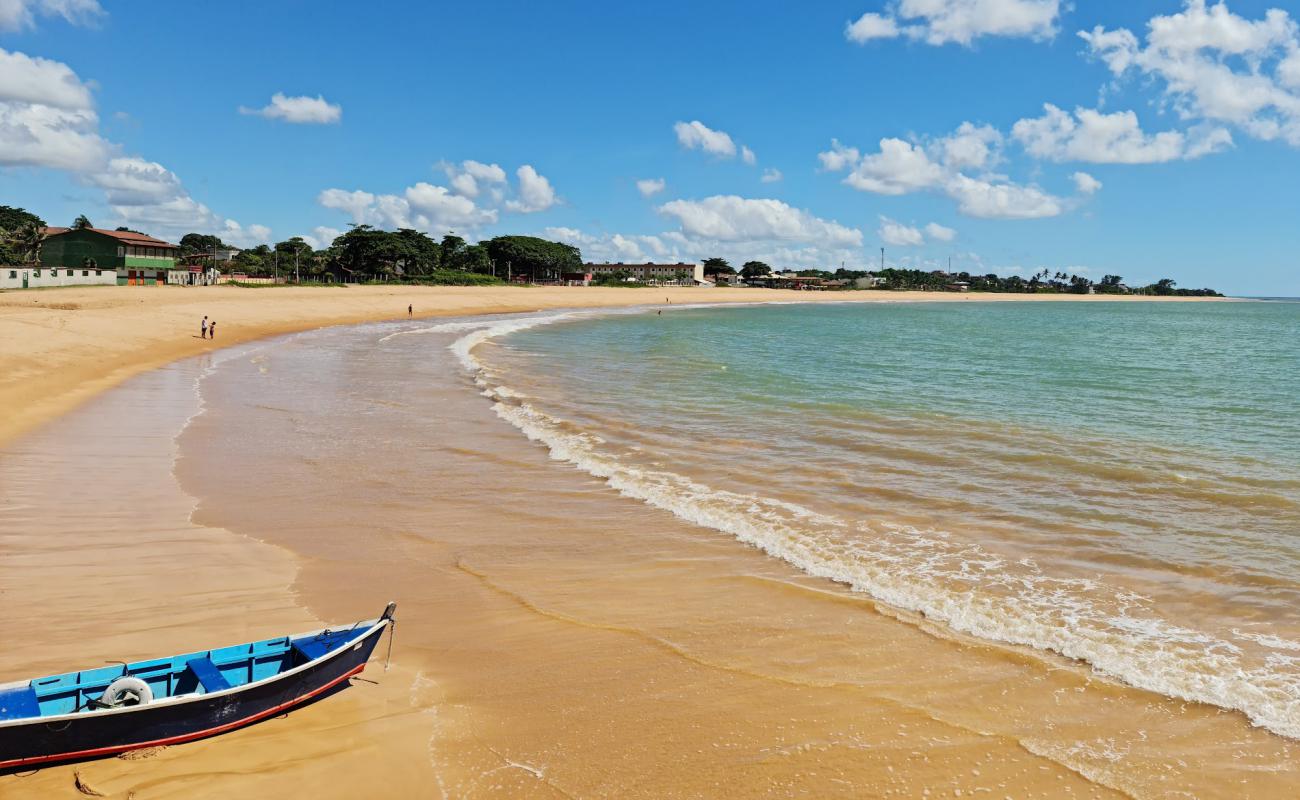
108	710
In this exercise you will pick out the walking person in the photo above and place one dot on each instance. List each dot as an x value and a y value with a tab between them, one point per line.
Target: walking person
203	328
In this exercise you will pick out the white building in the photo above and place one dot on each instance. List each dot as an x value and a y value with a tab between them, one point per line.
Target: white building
30	277
682	274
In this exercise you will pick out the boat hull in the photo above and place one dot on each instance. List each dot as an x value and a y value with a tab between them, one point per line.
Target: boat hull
90	735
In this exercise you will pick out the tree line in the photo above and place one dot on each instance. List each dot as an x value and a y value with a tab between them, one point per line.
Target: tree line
1046	281
368	253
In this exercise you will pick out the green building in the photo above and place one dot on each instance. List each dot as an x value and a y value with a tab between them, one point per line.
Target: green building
138	259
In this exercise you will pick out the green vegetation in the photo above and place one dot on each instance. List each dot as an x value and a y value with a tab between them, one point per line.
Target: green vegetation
1045	282
717	266
21	236
754	269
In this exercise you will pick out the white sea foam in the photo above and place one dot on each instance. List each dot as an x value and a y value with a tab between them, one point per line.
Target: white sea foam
1120	634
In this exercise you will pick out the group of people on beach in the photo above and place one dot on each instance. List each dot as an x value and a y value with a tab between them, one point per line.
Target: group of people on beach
208	329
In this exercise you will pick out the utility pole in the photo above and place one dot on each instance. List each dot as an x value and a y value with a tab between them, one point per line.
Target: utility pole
882	258
296	277
277	265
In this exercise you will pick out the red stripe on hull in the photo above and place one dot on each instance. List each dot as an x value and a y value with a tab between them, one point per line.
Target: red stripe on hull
189	737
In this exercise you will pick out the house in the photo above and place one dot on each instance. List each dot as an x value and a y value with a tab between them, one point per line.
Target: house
959	286
867	282
677	274
135	258
36	276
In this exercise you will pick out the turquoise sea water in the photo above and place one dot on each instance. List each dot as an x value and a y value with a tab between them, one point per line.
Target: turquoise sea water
1114	482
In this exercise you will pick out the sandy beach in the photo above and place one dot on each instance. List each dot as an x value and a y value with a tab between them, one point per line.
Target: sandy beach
555	639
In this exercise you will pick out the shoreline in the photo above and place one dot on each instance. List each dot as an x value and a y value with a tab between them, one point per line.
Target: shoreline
62	346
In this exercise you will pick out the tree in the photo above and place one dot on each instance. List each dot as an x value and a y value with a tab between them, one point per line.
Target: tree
11	218
81	222
1164	287
538	258
717	266
473	258
292	252
450	249
27	242
754	269
192	243
128	230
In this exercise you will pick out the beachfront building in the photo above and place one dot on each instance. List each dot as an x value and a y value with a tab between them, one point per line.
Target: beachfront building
135	259
669	274
31	276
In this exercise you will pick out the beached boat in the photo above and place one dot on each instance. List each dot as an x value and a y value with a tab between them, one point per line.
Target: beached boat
108	710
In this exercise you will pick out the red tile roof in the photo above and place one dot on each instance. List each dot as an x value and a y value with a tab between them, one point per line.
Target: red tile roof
128	237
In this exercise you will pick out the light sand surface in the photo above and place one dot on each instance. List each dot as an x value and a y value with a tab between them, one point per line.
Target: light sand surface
59	347
554	639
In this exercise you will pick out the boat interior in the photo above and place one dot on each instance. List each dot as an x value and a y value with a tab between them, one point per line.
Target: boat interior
202	672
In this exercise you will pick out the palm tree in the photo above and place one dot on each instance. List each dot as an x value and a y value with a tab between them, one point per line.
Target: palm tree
82	222
28	240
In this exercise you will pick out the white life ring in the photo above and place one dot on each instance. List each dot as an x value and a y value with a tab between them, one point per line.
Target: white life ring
127	691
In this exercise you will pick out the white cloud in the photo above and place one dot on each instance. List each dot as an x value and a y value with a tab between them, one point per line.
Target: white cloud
942	165
434	208
423	206
839	157
986	199
695	135
939	233
1092	136
47	119
438	209
472	177
17	15
898	234
939	22
145	195
1216	66
871	26
650	186
24	79
732	218
899	168
1085	183
771	175
47	116
629	249
244	237
300	110
34	135
535	192
321	237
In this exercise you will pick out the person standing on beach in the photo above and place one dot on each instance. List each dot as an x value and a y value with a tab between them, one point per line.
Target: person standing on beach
203	329
212	329
410	310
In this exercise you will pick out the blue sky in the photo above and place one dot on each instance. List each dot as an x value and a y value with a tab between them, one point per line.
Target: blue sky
1173	148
